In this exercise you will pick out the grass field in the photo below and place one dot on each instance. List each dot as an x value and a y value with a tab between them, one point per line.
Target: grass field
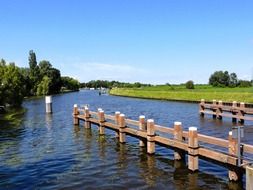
180	93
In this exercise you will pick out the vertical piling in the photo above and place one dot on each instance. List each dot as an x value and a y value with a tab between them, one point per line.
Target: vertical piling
249	177
150	136
234	106
142	127
219	110
193	159
101	118
75	113
48	101
117	113
241	112
234	174
87	123
202	107
178	135
122	126
214	108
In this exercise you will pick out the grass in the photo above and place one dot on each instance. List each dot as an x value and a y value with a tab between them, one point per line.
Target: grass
180	93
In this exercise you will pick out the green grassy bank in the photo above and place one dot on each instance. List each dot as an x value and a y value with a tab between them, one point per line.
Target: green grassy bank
180	93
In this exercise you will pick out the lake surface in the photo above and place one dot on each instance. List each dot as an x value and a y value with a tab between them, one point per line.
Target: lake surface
48	152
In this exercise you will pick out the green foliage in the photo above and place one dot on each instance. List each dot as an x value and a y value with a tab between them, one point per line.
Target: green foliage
111	84
189	84
43	87
34	72
244	83
69	83
11	84
224	79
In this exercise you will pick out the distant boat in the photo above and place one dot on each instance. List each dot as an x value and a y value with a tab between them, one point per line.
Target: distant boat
102	91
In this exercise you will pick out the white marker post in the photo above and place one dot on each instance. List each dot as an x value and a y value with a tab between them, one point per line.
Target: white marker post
48	100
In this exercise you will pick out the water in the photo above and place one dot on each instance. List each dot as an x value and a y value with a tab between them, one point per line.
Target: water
48	152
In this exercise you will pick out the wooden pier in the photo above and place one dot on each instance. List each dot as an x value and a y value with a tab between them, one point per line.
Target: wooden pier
182	142
237	111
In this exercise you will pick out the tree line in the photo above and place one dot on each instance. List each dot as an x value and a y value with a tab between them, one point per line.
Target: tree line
111	84
37	79
224	79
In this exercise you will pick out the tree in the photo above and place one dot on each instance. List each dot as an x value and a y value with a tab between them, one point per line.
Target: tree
233	81
189	84
34	72
43	87
69	83
11	84
219	78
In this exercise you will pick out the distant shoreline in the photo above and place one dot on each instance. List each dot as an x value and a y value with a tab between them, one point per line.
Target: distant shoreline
181	94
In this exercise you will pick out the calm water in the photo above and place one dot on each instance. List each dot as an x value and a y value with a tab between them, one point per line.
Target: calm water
48	152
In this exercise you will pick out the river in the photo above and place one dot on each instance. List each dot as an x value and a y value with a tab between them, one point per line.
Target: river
48	152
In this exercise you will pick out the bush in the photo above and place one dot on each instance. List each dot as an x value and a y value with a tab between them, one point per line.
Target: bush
189	84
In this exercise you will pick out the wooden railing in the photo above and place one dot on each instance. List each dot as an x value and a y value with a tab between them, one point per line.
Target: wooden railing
183	142
236	111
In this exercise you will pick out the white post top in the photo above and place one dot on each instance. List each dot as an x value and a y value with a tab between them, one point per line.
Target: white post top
242	103
177	123
117	112
220	101
86	108
230	133
100	109
142	117
48	99
234	102
150	121
122	115
75	105
202	100
193	129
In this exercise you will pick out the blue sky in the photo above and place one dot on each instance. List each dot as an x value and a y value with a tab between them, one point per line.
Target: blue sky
152	41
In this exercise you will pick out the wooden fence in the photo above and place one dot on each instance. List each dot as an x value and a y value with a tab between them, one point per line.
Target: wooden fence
234	110
182	142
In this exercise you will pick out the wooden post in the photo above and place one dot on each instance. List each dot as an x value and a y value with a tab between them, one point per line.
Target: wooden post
117	113
142	127
178	135
87	123
249	177
122	126
101	118
214	109
202	107
234	106
219	110
150	136
233	174
48	101
75	113
241	112
193	159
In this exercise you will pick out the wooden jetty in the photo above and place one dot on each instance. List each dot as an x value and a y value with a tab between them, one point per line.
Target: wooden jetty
236	111
182	142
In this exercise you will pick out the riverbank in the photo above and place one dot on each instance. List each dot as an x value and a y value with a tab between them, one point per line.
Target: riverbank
180	93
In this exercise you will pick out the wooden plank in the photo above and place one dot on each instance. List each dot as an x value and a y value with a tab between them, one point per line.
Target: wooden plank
217	156
111	126
171	143
135	132
213	140
110	117
248	148
132	122
164	129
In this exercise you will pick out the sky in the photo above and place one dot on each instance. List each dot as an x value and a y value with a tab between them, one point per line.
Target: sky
149	41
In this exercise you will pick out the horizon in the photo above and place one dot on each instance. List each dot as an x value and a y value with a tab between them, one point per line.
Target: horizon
135	41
